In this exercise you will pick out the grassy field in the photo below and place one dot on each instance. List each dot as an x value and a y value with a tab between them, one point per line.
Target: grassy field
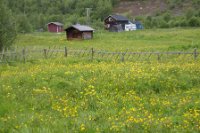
74	95
144	40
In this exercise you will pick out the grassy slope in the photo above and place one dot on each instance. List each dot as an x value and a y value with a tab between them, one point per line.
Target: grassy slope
144	40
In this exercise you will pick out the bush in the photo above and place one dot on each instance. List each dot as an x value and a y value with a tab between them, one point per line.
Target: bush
163	24
148	22
189	13
194	22
98	25
171	23
183	23
167	17
155	23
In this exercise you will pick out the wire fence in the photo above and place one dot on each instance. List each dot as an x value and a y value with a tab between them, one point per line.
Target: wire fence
27	54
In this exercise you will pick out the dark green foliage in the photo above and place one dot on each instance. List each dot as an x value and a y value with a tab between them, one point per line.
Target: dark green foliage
189	14
165	20
7	26
194	22
182	23
167	17
196	3
179	13
23	24
103	9
33	15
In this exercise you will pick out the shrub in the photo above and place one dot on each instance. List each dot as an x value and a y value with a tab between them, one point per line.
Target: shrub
183	23
167	17
194	22
163	24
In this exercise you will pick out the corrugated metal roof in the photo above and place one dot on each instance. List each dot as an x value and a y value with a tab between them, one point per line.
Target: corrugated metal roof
56	23
119	17
81	27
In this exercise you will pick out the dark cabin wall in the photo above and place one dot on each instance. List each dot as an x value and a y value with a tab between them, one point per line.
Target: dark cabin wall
73	33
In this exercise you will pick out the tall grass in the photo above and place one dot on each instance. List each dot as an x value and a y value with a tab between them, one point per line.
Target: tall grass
67	96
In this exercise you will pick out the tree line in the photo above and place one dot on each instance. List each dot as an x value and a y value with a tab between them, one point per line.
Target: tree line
32	15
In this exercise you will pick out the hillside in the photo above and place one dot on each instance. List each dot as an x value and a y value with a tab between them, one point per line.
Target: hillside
136	8
153	7
161	13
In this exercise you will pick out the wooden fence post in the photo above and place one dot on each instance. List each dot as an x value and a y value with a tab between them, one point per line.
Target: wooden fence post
122	59
24	55
15	54
158	56
66	52
3	54
92	50
45	53
195	54
123	54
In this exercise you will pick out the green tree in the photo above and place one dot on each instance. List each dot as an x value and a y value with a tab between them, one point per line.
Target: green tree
103	9
23	24
7	26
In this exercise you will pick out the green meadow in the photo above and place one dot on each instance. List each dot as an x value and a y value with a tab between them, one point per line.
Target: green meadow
75	95
140	40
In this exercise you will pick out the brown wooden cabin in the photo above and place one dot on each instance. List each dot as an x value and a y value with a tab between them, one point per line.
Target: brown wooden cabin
55	27
115	21
79	32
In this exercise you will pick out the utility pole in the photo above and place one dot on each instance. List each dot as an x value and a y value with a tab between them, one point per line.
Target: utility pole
88	11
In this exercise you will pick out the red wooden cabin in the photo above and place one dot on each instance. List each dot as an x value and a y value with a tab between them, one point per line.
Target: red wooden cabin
55	27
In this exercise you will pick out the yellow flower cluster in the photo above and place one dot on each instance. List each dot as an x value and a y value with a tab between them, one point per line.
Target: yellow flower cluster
59	96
